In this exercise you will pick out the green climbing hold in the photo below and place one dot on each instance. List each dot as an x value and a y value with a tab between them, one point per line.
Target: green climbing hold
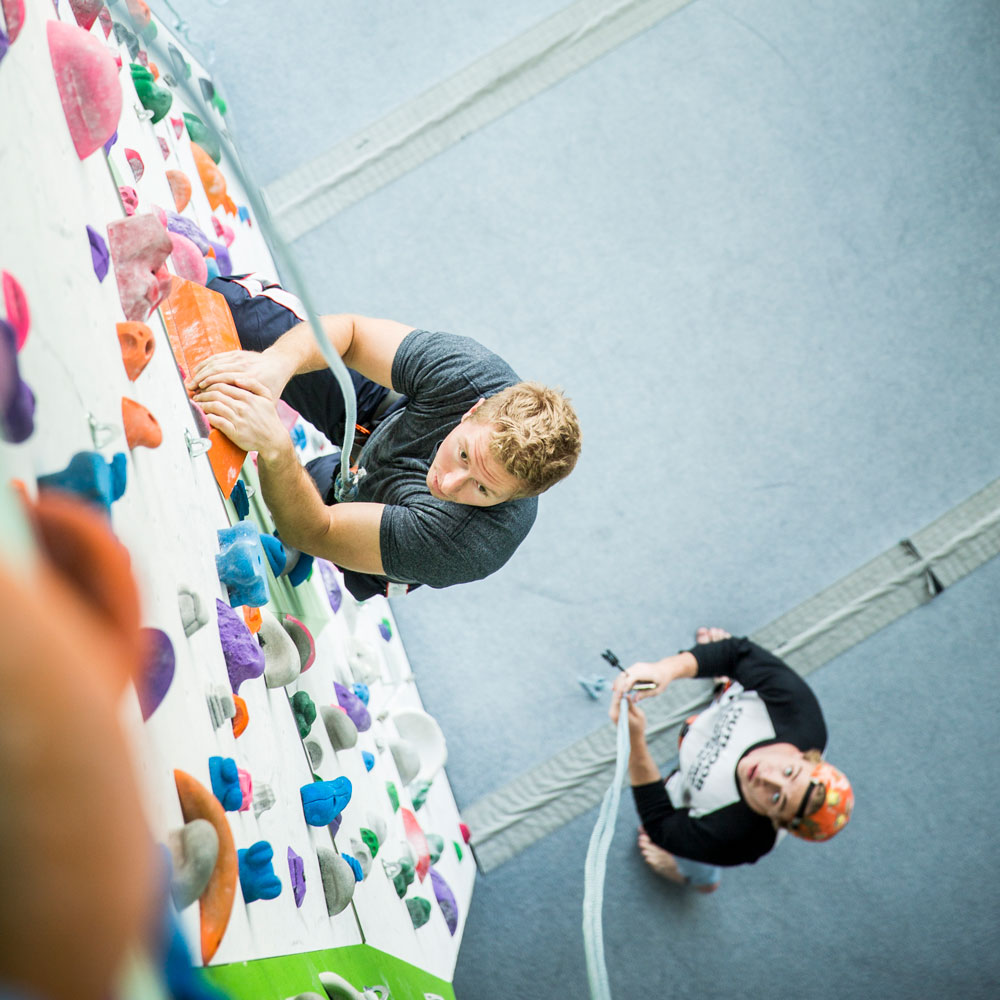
203	135
435	845
420	910
304	710
458	849
219	104
370	840
153	98
149	32
393	795
403	878
419	796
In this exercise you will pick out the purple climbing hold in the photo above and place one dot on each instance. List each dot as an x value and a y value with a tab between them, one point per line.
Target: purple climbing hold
297	874
446	900
333	591
244	657
4	44
98	253
353	706
334	825
110	142
17	401
185	227
222	258
158	672
385	629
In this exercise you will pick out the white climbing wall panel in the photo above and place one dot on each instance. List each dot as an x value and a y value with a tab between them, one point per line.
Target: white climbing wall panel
169	516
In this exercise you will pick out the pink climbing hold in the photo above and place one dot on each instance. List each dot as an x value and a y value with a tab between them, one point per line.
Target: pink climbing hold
418	841
164	148
187	259
130	199
178	124
135	162
16	306
13	13
139	247
86	11
104	16
246	787
226	232
87	79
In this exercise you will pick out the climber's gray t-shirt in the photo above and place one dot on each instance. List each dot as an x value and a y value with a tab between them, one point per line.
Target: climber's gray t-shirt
423	539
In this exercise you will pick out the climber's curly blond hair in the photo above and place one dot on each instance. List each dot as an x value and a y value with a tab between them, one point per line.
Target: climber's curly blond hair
537	438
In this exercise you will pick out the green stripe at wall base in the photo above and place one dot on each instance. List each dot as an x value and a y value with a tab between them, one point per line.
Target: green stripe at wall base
361	965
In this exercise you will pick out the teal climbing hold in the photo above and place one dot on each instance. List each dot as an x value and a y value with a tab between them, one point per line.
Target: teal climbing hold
91	476
206	137
240	565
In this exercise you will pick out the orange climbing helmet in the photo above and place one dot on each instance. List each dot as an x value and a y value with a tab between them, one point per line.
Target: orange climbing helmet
833	815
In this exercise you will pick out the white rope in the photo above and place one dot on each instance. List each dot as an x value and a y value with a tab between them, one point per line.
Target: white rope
595	866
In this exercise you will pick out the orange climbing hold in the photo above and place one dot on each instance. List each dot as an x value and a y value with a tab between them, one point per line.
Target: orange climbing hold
242	716
212	180
199	324
142	429
216	902
180	188
137	345
253	618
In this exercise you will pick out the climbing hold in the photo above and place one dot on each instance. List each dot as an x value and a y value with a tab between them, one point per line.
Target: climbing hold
139	13
370	840
368	758
377	824
361	692
458	849
331	583
206	137
225	777
130	200
464	831
390	788
446	900
194	614
180	188
240	565
141	428
342	732
362	855
125	37
212	269
304	711
178	124
315	752
86	11
212	180
139	248
17	401
418	794
98	253
199	325
281	658
246	788
406	759
355	867
417	841
15	304
87	78
164	148
158	671
263	798
13	12
385	629
187	259
241	501
275	553
224	232
221	705
216	902
241	716
297	876
135	162
425	734
104	18
111	142
435	846
137	346
257	878
253	618
244	658
420	910
244	214
363	660
180	64
153	97
338	880
323	801
90	476
302	637
186	227
354	707
194	852
401	873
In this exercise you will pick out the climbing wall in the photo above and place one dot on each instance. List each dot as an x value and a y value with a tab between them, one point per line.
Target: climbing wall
268	700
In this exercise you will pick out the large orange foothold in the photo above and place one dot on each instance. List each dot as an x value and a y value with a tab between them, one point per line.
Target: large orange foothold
139	247
87	78
216	902
180	188
142	429
199	324
137	344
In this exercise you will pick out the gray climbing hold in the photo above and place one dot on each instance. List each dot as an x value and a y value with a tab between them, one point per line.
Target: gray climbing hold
194	614
363	660
377	825
263	797
315	752
404	753
340	729
360	851
221	706
194	850
282	663
338	880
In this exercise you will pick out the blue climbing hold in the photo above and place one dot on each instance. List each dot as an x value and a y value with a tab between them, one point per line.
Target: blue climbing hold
355	866
275	552
369	759
324	801
593	686
299	436
302	570
225	777
257	878
244	213
91	476
361	690
239	497
240	565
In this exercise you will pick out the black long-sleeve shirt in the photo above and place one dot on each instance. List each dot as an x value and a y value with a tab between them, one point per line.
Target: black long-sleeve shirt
699	812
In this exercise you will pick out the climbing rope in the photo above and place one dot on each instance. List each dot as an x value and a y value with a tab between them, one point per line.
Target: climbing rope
595	866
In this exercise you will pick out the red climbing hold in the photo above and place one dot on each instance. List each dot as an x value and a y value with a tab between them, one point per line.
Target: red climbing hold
16	306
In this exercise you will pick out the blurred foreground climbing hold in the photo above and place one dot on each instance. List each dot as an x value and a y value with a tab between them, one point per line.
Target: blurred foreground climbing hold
87	78
157	672
17	401
91	476
15	304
